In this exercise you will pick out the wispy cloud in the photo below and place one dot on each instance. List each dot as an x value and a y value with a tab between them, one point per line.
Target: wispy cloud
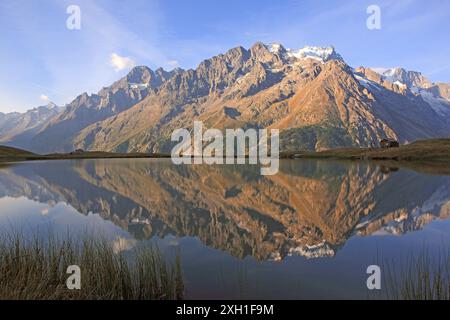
173	63
120	63
44	98
83	60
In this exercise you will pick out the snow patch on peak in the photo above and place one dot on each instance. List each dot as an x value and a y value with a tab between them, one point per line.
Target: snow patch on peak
387	72
140	86
322	54
409	78
440	105
313	251
400	84
274	47
366	82
390	72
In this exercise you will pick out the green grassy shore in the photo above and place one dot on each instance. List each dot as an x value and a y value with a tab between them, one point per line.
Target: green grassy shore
15	154
433	150
437	150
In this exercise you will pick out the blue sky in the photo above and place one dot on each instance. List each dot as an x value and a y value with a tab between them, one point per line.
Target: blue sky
40	59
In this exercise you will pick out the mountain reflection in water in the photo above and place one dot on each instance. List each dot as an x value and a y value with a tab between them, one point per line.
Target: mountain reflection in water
309	208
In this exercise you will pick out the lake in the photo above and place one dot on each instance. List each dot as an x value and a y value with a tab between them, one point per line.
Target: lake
309	231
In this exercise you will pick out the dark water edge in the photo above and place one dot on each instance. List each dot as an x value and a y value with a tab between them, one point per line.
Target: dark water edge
308	232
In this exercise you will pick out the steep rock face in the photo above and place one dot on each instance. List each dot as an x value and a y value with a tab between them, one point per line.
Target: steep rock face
255	84
16	128
441	90
436	95
405	77
333	110
86	109
404	111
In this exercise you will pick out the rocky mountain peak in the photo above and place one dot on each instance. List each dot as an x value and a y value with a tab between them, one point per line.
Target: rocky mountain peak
401	76
140	74
237	56
51	105
322	54
82	98
49	109
276	48
261	53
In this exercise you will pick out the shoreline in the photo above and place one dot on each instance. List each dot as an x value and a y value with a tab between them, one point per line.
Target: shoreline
435	151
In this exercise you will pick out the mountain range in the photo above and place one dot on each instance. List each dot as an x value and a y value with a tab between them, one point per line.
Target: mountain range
20	127
312	95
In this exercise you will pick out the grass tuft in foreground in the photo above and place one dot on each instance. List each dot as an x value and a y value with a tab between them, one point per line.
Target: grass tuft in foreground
423	277
36	269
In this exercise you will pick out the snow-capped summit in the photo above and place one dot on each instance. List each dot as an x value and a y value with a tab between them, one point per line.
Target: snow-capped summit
322	54
319	53
412	79
276	48
435	94
21	125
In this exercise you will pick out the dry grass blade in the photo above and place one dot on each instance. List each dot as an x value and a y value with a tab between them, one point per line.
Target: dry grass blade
36	269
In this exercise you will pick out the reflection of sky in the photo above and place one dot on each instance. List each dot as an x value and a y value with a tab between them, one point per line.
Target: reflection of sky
29	215
340	277
295	277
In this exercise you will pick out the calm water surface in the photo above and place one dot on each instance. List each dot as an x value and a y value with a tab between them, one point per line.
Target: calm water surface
308	232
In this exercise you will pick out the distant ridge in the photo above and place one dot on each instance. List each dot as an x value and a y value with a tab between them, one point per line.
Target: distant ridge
12	152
